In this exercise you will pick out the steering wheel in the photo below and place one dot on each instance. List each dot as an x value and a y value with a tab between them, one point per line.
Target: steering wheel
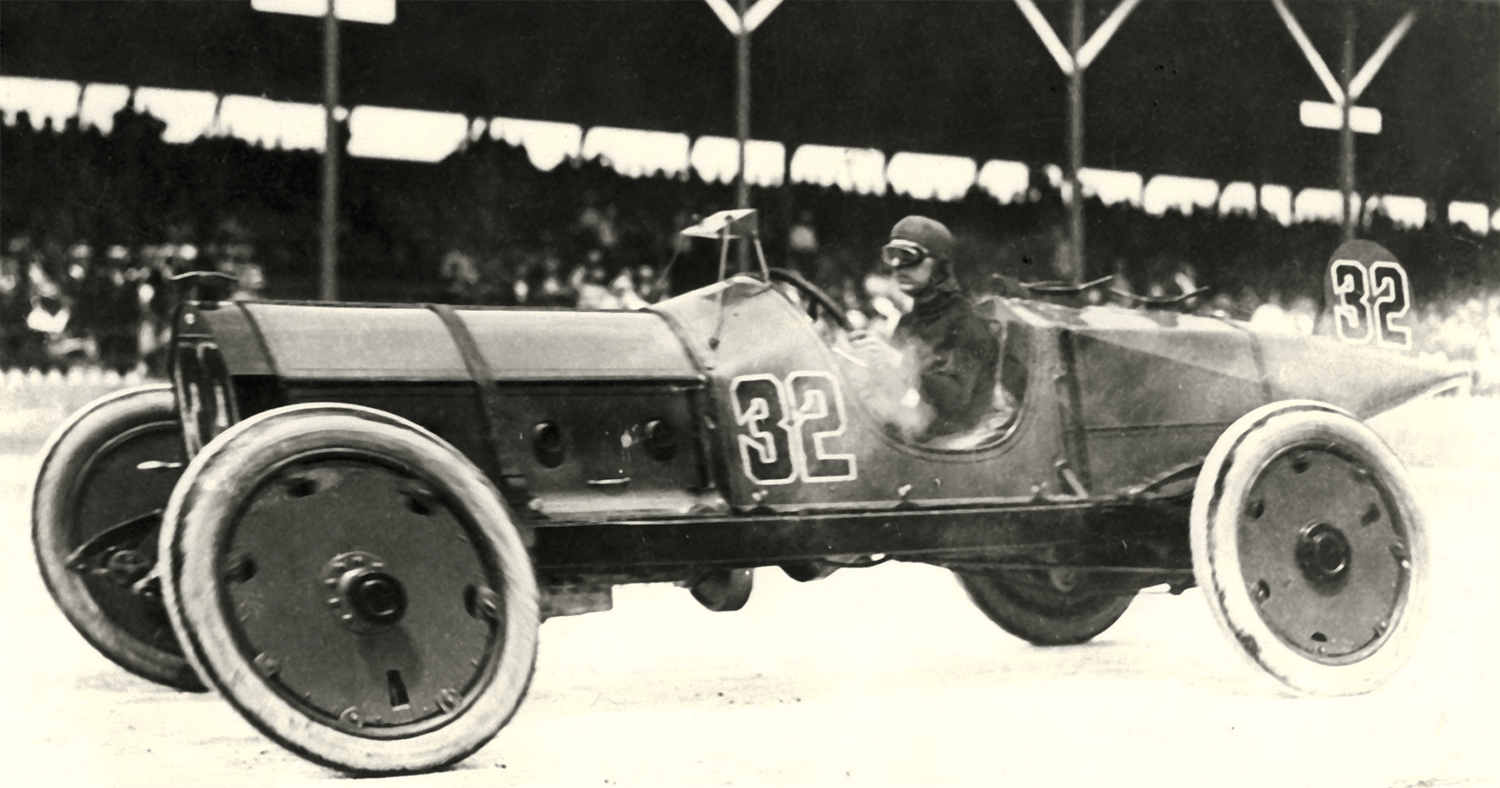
812	291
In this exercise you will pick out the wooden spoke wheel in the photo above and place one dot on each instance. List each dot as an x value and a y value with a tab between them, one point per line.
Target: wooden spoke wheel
96	508
1045	607
354	586
1310	548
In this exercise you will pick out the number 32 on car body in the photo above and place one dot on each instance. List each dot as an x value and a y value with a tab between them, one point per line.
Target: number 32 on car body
790	428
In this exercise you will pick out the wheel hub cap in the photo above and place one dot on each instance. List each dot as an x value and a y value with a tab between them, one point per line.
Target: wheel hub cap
1323	554
377	597
365	598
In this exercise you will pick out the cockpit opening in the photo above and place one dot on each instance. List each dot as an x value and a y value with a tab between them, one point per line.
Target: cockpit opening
890	390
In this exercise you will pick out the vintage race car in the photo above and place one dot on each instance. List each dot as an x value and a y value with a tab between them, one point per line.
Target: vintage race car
351	519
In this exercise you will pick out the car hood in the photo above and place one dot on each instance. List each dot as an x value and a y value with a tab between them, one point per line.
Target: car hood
410	342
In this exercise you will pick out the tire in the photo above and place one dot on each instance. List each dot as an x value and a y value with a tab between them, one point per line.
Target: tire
724	590
809	571
273	541
1031	605
88	483
1310	548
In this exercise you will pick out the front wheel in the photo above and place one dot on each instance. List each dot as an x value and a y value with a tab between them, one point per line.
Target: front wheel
1045	607
353	586
1310	548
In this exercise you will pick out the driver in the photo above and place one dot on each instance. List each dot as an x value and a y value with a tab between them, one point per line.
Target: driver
949	349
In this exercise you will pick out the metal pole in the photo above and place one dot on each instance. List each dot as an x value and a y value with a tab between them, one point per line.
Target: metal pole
1346	131
742	125
328	284
1075	145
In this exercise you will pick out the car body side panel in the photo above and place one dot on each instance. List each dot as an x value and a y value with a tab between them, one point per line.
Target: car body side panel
600	379
1173	389
605	466
449	409
770	369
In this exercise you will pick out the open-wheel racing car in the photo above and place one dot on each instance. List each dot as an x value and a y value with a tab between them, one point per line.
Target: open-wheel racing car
351	519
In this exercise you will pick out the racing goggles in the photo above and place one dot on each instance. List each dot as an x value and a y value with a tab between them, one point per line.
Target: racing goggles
901	253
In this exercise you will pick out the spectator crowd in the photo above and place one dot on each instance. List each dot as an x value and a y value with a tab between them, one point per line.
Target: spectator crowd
93	226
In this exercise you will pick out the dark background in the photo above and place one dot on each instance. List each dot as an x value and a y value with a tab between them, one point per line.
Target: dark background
1208	89
95	223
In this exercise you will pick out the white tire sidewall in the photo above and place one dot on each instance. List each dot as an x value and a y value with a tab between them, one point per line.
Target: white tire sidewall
1228	472
196	524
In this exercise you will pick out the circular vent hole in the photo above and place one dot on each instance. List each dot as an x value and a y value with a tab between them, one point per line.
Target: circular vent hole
661	440
547	443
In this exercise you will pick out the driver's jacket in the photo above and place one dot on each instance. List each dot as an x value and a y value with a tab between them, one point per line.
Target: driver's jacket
956	356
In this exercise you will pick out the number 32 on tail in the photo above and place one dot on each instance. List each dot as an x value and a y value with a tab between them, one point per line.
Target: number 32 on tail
1368	294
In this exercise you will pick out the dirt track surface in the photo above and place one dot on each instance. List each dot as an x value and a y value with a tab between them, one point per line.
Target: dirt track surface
886	676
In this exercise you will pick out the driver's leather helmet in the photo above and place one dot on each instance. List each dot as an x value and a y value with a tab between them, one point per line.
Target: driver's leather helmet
930	234
935	239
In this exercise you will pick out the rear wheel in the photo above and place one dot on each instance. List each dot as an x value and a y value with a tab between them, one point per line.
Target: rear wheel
96	509
354	586
1044	607
724	590
810	570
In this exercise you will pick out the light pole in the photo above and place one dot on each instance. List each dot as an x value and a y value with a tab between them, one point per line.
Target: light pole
379	12
741	22
742	124
328	283
1075	58
1075	145
1342	113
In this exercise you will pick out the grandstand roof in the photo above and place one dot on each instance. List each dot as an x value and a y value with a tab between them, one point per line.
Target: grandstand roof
1192	89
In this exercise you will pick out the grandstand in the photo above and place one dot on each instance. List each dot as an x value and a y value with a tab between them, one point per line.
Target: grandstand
475	174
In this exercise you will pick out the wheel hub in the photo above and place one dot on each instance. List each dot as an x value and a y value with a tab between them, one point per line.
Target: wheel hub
1323	554
365	598
125	567
377	597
